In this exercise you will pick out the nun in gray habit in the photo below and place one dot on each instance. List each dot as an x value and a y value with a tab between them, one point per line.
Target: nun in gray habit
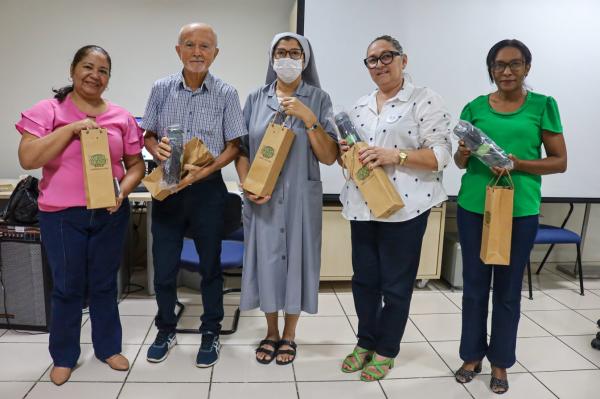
282	232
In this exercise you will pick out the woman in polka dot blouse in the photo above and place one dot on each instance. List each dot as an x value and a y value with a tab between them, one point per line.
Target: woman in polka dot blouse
407	129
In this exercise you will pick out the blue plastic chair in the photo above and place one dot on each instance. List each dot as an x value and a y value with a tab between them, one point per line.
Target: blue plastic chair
553	235
232	257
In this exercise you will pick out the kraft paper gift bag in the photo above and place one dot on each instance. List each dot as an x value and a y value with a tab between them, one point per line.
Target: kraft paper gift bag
269	159
97	169
376	188
195	152
497	224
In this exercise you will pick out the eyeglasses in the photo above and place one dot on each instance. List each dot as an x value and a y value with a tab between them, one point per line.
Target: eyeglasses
294	53
515	66
386	58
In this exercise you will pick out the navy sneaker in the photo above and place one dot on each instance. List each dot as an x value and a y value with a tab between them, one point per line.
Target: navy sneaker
159	350
208	354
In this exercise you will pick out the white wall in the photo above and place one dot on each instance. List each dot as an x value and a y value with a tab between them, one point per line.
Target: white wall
38	40
447	42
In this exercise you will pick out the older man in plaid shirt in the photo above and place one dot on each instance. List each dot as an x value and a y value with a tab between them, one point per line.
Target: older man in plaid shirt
208	108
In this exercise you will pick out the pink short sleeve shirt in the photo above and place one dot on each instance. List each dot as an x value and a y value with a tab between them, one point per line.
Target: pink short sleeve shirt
62	184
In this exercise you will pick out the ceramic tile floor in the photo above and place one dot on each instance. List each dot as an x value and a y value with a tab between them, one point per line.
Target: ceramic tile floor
553	351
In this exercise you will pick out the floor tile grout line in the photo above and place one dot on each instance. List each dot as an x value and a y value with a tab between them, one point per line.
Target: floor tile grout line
38	380
210	381
563	371
464	384
446	296
346	314
295	381
567	306
536	323
382	390
592	291
533	375
576	351
132	364
432	347
593	321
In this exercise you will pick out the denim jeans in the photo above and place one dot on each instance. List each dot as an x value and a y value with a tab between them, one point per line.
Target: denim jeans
197	210
385	259
506	296
84	250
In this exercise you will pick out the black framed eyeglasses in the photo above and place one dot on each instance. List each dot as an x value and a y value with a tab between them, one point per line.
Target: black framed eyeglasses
294	53
386	58
515	66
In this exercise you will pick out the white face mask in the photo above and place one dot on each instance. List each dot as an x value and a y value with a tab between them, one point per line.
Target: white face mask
287	69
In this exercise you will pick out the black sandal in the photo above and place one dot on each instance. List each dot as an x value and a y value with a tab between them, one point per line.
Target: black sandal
498	386
291	351
463	375
270	353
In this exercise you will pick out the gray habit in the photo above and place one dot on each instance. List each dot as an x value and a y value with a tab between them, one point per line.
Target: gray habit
282	238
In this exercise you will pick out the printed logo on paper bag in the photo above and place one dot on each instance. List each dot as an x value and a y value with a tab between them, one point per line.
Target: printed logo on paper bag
268	152
363	173
98	160
487	217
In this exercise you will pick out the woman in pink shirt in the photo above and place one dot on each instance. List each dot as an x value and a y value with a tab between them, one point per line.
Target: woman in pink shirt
83	247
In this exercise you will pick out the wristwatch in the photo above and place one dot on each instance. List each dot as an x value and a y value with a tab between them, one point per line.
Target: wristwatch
402	157
313	127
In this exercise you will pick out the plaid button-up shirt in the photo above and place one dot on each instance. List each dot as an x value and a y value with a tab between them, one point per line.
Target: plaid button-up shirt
212	112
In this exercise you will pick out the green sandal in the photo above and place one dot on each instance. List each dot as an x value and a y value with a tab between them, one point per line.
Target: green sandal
377	364
359	362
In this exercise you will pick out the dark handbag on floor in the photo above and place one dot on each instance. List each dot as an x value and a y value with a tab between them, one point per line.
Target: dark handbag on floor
22	206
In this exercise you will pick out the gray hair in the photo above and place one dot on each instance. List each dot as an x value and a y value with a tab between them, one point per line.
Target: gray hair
391	40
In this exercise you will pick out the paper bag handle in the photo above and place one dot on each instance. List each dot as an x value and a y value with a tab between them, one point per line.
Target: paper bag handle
280	112
349	168
497	179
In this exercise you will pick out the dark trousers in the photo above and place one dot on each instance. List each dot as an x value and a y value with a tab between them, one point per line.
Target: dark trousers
196	211
506	296
385	259
84	250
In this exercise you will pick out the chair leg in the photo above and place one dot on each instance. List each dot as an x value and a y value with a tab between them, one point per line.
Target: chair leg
236	315
544	260
529	279
580	270
180	308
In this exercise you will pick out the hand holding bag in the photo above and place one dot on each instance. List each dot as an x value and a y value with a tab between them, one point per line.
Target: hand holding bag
269	159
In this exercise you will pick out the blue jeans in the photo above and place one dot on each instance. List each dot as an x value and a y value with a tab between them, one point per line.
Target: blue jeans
385	259
197	210
84	250
506	297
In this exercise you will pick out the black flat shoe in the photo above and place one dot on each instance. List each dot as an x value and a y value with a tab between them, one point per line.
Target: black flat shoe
291	351
269	353
463	375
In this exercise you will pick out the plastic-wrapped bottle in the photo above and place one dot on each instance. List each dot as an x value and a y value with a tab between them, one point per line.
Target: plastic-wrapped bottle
172	165
346	128
481	146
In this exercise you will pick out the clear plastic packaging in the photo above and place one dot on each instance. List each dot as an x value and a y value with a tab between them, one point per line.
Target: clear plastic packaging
172	165
481	146
346	129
